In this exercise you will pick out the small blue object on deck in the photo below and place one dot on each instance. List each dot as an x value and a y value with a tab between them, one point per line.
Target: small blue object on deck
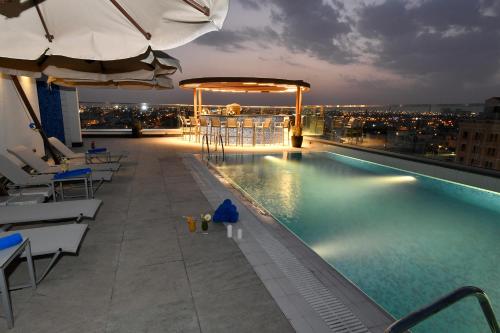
72	173
226	212
10	241
97	150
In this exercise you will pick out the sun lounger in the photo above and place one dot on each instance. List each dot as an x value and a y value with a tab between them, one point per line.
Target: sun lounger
42	167
50	211
21	178
37	163
89	157
29	191
54	240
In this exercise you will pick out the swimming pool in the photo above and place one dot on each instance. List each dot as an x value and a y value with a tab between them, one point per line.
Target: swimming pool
403	238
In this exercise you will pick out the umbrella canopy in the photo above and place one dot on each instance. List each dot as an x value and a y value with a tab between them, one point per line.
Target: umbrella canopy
103	30
150	69
158	83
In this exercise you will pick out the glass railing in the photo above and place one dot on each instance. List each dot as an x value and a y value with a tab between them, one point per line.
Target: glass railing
423	131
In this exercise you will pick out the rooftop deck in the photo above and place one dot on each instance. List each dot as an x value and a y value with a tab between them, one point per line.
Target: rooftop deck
139	269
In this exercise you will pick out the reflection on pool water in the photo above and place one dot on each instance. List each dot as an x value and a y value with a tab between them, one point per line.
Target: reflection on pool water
403	238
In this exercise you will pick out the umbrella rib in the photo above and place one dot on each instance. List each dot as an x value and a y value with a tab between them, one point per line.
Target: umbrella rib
204	9
48	35
122	10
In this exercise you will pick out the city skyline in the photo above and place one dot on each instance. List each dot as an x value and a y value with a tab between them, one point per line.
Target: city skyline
352	52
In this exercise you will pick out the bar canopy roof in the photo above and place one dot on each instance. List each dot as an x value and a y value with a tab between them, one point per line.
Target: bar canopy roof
245	84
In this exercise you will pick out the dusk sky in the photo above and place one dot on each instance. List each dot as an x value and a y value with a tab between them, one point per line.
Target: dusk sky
351	51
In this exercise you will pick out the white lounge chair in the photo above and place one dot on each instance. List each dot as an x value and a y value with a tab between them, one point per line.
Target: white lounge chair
39	165
53	240
22	179
88	157
18	176
50	211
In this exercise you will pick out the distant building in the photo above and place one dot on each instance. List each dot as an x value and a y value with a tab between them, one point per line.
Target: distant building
405	140
478	141
492	108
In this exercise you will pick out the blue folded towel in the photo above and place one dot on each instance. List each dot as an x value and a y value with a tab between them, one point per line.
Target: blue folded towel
226	212
97	150
72	173
10	241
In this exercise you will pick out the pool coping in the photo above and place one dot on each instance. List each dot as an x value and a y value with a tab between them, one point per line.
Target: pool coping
297	309
414	158
464	177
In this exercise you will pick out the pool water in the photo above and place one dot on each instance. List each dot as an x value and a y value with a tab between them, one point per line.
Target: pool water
403	238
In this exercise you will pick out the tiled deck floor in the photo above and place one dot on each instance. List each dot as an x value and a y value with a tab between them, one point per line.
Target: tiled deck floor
139	270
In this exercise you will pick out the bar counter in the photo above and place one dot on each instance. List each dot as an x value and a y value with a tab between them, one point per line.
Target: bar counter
257	117
248	135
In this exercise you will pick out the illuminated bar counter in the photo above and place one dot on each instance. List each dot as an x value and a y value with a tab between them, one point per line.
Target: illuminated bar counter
256	133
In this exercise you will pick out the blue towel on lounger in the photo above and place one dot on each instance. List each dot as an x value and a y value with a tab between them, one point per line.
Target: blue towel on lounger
10	241
72	173
97	150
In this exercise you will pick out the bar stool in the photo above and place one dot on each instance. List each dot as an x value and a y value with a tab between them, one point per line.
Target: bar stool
248	124
215	129
263	128
193	128
280	127
185	127
203	128
232	126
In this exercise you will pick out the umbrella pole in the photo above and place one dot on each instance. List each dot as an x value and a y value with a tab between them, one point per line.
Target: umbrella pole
38	125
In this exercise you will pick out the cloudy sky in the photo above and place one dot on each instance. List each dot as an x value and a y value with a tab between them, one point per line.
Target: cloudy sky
351	51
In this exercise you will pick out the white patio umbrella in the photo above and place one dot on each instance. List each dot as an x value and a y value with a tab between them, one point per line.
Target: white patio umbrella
103	29
100	30
147	70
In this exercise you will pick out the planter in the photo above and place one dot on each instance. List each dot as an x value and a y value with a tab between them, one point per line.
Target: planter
136	131
297	141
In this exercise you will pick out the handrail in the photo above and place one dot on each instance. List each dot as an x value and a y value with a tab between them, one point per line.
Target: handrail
405	323
209	156
203	140
221	141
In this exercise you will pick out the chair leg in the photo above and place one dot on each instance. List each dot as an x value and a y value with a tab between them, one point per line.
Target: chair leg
7	305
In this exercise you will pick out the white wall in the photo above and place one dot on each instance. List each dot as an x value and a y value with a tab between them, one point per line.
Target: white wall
14	119
71	117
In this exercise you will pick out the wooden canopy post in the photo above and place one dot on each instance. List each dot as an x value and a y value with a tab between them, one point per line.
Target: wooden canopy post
195	102
200	103
33	116
298	108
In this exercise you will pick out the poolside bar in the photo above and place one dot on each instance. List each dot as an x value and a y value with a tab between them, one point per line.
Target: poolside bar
235	124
